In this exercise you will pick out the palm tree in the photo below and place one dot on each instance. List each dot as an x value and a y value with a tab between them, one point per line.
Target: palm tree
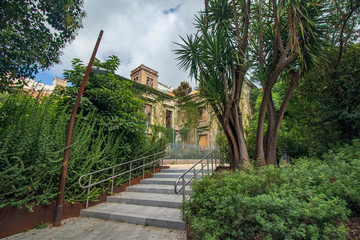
217	60
233	36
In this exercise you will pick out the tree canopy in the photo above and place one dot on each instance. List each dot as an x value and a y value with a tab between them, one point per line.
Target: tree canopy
325	110
117	107
183	89
278	41
33	34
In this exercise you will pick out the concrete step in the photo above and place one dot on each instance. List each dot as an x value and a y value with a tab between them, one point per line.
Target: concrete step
162	181
180	161
147	199
176	175
170	175
180	171
173	170
155	188
137	214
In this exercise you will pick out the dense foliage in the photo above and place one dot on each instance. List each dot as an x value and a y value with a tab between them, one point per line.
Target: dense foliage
325	109
270	40
111	99
32	140
32	34
307	200
109	130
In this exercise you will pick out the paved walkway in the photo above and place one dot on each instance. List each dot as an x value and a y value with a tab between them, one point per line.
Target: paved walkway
92	228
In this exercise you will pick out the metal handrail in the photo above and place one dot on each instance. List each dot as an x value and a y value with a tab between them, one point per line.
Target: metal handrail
154	156
208	157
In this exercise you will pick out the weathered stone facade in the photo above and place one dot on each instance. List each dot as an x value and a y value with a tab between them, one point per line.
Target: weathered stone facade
188	115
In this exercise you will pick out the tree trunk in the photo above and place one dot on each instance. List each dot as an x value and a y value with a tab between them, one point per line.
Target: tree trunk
236	140
274	122
271	143
259	142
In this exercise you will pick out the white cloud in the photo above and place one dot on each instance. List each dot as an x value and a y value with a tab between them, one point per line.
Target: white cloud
138	32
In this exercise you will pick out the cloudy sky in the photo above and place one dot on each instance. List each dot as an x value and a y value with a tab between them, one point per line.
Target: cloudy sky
137	31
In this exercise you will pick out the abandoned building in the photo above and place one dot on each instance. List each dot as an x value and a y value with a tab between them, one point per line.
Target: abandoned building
187	120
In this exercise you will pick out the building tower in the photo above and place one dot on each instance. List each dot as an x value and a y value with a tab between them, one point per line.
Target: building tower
145	75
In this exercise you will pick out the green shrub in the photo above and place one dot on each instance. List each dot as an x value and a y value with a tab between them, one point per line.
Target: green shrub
32	139
345	166
308	200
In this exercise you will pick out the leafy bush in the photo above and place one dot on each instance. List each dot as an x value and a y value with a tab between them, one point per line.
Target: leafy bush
32	138
345	166
308	200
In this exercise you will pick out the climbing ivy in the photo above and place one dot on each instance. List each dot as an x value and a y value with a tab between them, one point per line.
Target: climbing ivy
190	111
139	89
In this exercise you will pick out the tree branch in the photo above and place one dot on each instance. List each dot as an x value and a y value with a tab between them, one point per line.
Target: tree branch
227	99
294	80
341	43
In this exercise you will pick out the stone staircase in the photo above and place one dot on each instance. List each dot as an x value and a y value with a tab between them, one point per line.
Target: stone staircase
150	203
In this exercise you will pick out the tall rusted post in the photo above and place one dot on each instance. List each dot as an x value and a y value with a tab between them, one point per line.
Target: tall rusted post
59	203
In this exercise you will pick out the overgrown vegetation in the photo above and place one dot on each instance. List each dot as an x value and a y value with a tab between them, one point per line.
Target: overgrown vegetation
190	112
307	200
109	130
324	112
277	43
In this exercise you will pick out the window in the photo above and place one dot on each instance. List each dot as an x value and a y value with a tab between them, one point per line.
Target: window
148	112
203	114
136	79
168	119
149	82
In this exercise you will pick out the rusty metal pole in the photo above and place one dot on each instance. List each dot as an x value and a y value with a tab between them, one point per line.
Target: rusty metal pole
59	203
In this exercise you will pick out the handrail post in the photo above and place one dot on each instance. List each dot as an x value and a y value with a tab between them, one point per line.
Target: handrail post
130	173
88	192
202	169
207	164
212	163
112	181
183	187
154	164
215	160
143	168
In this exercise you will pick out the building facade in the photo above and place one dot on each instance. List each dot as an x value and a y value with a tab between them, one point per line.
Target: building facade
38	88
187	120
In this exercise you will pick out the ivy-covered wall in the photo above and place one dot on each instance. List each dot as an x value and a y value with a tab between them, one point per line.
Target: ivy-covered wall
188	113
